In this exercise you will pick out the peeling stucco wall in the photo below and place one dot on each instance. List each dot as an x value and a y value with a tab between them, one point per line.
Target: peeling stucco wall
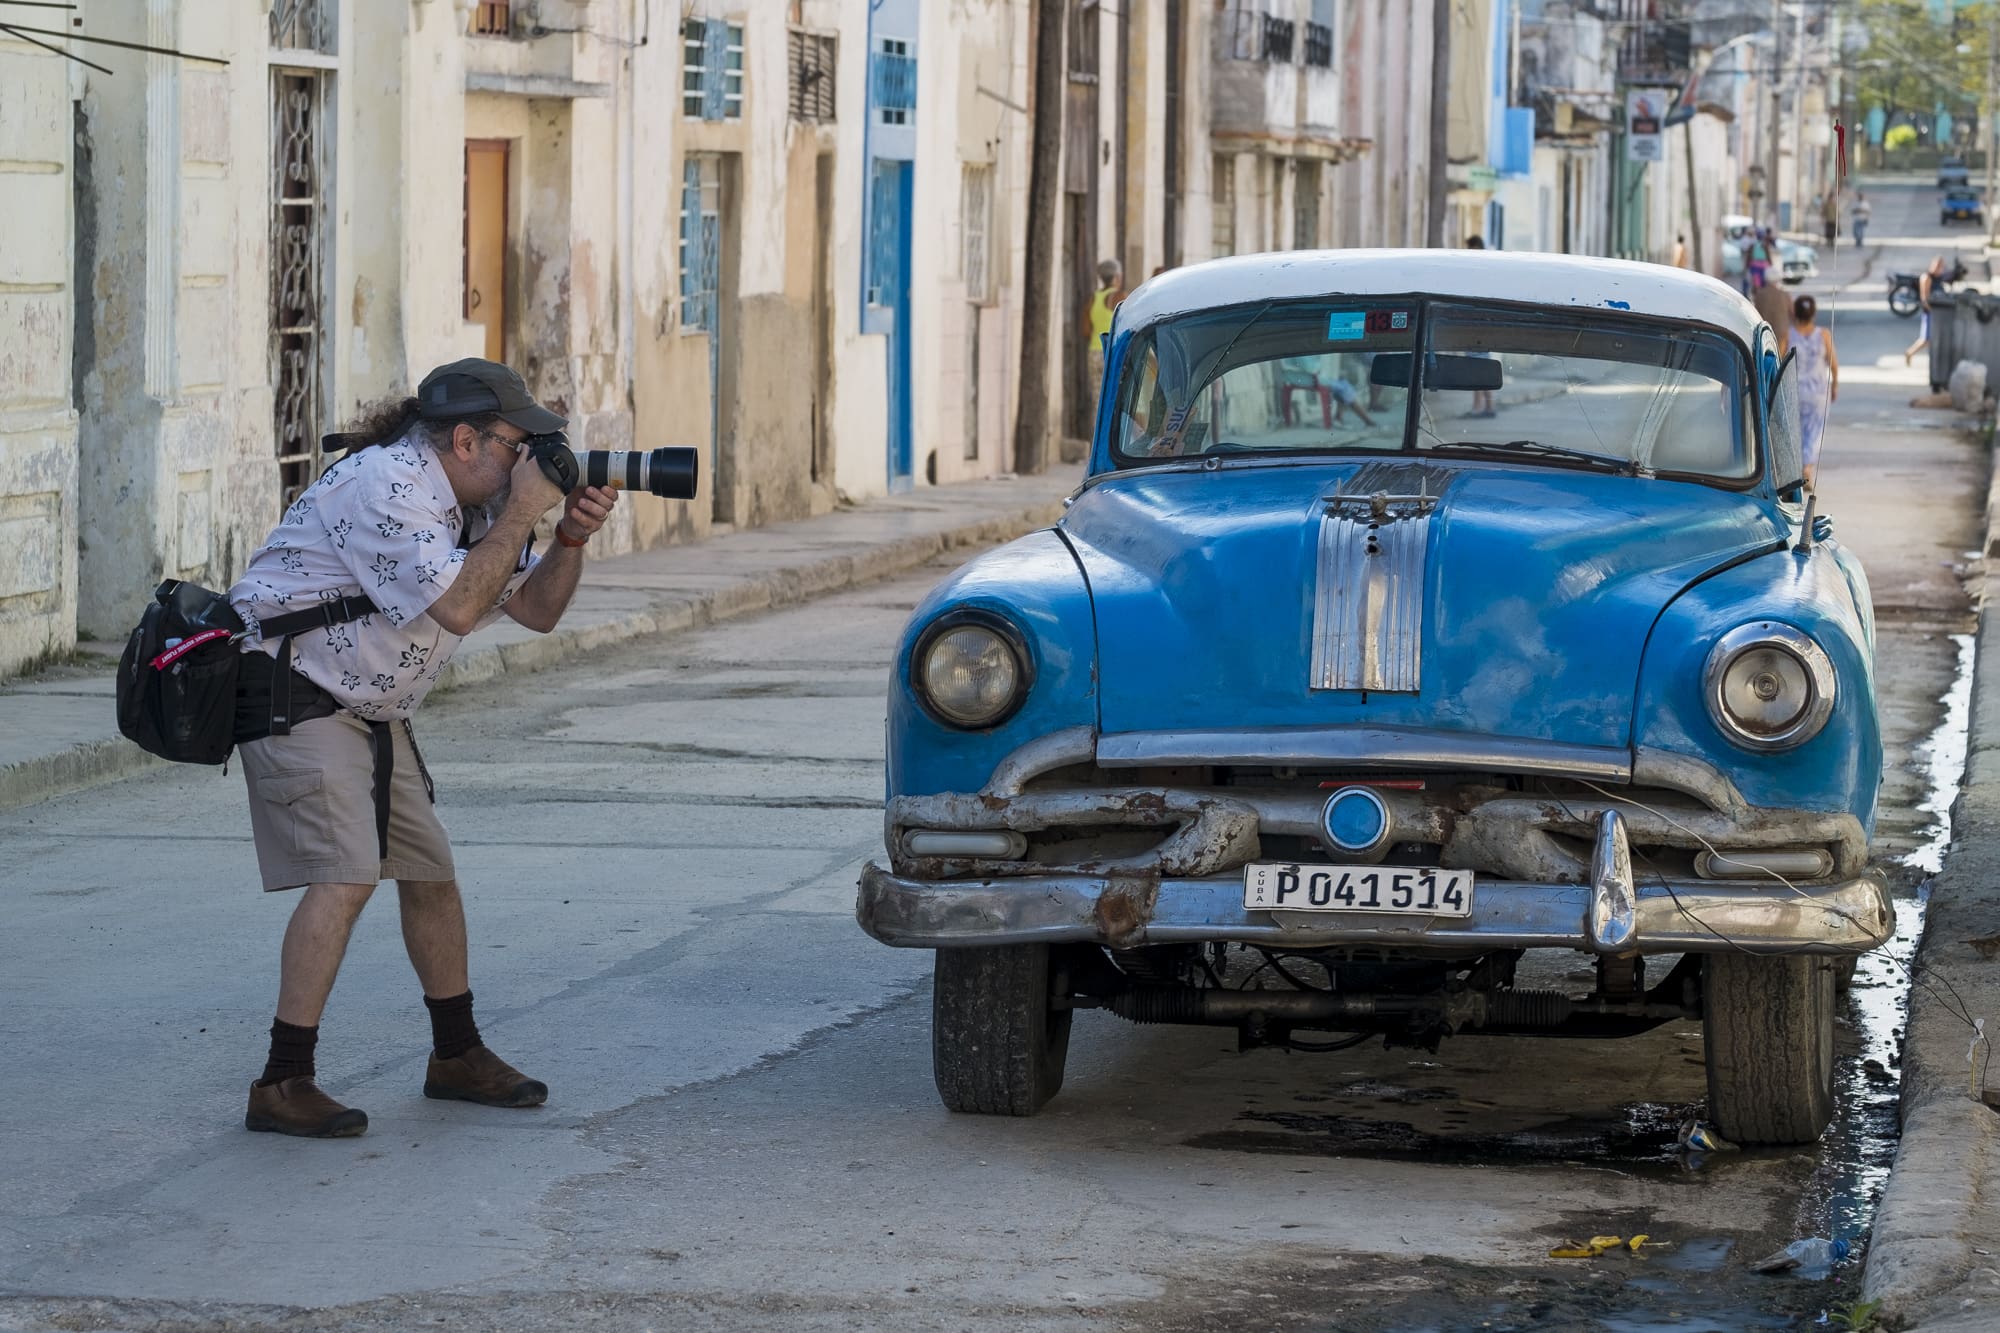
38	458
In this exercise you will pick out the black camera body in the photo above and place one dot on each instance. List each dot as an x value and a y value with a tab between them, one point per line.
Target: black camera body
669	472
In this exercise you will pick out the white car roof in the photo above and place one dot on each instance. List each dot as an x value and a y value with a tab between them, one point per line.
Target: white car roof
1569	281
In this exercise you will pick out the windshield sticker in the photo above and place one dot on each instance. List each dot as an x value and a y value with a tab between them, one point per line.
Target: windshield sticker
1399	319
1346	326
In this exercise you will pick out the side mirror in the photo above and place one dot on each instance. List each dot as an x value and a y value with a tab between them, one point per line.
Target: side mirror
1782	429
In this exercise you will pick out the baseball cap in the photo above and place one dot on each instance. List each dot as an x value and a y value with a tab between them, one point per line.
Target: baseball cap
474	385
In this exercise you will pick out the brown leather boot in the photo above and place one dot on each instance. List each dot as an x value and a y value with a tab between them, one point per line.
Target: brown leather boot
483	1077
297	1106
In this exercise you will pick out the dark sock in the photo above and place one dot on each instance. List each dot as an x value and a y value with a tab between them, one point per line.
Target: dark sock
453	1032
291	1051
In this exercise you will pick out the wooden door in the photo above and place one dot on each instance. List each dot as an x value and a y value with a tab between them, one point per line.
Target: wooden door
486	241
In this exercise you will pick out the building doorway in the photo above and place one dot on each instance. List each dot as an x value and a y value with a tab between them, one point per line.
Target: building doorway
486	162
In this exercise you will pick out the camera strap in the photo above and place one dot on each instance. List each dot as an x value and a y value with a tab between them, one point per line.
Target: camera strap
284	628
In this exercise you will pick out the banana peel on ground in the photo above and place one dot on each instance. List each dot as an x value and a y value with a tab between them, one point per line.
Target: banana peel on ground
1597	1245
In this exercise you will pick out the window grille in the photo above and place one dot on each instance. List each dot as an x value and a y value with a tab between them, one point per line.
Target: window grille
975	262
304	25
895	81
711	70
493	18
1083	41
1278	35
1222	193
298	212
700	241
812	88
1319	46
885	232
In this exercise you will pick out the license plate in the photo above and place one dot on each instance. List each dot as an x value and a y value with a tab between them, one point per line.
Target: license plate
1397	890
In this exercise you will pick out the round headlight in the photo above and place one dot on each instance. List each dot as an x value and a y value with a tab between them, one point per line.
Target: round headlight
970	672
1769	686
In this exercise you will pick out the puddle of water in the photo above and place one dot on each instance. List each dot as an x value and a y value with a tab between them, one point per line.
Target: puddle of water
1696	1256
1860	1147
1944	764
1719	1320
1644	1140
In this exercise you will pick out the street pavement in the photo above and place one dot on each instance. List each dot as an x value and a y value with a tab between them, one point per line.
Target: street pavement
659	839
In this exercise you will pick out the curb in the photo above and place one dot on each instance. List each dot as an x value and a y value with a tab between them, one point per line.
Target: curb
1922	1244
92	763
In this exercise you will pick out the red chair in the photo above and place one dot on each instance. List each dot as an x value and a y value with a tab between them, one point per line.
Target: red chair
1325	392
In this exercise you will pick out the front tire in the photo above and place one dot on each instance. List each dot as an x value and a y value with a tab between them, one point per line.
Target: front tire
1768	1032
998	1043
1903	301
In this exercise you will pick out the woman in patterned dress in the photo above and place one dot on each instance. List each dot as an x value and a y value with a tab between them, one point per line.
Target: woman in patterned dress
1819	379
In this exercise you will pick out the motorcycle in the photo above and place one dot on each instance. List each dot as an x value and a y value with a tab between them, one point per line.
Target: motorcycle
1903	290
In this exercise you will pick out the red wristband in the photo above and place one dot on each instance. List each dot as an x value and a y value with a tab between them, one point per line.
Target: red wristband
563	537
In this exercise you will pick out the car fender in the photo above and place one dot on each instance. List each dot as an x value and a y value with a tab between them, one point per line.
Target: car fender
1036	584
1821	592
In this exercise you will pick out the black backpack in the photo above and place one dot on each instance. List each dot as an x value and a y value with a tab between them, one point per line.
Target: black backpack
178	678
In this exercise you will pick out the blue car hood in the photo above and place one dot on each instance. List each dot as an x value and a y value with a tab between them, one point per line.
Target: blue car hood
1540	587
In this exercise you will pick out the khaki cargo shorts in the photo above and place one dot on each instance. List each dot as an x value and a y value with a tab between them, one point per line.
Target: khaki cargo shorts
312	808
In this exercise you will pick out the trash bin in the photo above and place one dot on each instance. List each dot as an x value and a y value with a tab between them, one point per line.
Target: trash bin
1943	349
1979	331
1965	326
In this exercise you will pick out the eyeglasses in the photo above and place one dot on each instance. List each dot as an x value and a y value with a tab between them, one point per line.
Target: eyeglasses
515	445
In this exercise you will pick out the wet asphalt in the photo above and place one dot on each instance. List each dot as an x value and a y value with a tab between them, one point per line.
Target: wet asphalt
660	846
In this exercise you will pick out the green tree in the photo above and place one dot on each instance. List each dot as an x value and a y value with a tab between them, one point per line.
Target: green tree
1912	62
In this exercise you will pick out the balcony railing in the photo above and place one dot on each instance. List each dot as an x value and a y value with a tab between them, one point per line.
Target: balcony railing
1319	46
1657	49
893	81
1279	35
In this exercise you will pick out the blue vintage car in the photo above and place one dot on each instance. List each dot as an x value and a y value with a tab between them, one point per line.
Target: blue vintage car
1961	205
1421	610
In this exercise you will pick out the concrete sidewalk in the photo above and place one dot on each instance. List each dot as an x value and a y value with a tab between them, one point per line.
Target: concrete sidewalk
1934	1253
58	732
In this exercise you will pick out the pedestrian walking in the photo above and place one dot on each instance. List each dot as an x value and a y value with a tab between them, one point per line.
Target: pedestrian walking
1680	257
1927	282
1757	258
1829	215
429	517
1819	380
1097	322
1482	399
1858	216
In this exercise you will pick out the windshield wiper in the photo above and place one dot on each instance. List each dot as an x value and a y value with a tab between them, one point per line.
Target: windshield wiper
1170	439
1540	450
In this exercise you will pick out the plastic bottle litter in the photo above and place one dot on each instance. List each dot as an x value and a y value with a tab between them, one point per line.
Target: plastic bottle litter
1699	1136
1812	1257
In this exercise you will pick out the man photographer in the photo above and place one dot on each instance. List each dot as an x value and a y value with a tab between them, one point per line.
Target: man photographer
430	517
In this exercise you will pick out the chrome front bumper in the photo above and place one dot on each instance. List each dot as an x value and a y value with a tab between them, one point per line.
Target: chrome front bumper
1611	915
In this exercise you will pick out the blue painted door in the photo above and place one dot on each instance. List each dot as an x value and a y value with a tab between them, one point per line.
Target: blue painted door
889	246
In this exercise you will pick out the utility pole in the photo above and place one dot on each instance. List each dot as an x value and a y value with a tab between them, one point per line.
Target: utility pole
1031	418
1777	110
1991	113
1440	151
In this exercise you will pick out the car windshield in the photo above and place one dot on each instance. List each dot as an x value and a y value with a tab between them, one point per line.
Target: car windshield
1552	387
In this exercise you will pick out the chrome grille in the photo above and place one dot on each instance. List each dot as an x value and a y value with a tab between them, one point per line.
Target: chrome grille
1368	604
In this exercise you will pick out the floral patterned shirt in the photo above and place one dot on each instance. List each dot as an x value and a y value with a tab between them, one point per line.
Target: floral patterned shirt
380	522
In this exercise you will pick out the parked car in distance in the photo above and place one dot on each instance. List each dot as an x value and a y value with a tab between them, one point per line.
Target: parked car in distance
1961	204
1736	234
1797	261
1953	171
1421	612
